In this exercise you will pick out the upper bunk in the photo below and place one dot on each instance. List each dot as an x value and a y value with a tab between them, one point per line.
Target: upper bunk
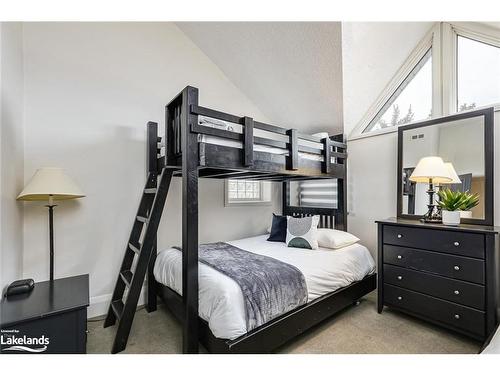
229	146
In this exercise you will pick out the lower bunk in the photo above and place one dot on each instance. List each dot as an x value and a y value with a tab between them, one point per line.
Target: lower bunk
335	279
272	335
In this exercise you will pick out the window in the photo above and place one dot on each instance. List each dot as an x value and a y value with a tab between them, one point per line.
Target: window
412	100
478	74
247	192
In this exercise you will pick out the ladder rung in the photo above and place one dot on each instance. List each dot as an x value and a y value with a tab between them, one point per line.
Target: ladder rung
134	248
127	277
117	307
150	191
142	219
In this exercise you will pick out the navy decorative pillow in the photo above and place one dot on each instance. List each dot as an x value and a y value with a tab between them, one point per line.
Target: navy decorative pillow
278	229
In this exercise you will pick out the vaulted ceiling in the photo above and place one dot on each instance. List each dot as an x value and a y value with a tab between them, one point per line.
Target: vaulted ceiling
291	71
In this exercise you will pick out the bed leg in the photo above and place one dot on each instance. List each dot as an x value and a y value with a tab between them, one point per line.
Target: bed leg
357	303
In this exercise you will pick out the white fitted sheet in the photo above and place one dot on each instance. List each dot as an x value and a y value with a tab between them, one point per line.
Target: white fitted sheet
221	300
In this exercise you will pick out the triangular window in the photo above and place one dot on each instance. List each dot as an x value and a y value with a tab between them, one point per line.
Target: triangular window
411	101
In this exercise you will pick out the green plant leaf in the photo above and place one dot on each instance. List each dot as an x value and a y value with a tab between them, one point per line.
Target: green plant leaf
456	200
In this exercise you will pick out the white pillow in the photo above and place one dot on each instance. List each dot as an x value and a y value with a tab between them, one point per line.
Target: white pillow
302	232
335	239
320	135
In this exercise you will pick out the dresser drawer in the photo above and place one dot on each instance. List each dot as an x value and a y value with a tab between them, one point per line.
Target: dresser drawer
445	241
458	316
456	267
461	292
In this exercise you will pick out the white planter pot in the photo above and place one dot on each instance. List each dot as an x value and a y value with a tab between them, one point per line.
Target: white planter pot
465	214
451	217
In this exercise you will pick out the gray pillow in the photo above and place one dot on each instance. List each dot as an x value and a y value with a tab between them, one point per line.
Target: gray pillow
302	232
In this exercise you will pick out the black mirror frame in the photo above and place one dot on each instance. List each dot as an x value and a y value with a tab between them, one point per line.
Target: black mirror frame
488	114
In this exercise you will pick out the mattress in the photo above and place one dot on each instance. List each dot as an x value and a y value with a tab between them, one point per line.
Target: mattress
221	300
237	128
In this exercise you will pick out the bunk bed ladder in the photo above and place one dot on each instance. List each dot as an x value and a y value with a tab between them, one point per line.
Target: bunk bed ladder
146	222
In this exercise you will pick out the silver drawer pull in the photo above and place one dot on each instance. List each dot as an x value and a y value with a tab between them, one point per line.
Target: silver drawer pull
400	257
456	316
400	236
456	243
400	298
456	268
400	277
457	292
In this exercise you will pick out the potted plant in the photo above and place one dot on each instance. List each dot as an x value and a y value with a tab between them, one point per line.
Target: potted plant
470	201
452	203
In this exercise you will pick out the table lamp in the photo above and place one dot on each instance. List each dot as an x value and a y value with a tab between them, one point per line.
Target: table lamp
431	170
50	184
452	173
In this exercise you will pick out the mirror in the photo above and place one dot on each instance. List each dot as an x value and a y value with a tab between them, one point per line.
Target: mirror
466	141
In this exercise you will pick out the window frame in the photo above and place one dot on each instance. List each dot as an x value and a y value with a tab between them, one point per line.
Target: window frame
431	41
396	94
451	31
263	200
443	39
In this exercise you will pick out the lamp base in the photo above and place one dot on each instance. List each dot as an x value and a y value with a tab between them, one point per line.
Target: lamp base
431	216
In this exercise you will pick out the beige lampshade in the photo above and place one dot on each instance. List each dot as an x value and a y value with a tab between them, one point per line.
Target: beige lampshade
452	174
50	182
431	167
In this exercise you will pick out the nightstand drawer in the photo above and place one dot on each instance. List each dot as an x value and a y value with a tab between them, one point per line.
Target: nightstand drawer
456	267
461	292
462	317
445	241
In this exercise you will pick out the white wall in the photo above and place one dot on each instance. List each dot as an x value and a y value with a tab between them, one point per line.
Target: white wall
11	151
90	89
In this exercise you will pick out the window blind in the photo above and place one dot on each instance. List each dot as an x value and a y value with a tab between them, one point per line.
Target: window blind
321	193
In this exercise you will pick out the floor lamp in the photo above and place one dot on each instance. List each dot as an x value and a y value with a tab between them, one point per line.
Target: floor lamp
50	184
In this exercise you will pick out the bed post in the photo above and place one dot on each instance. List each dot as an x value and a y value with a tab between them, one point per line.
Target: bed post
190	161
152	169
341	188
285	197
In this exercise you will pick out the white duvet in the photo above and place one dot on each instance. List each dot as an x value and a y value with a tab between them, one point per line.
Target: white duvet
221	300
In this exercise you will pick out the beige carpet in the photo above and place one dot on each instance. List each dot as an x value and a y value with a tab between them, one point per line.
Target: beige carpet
358	329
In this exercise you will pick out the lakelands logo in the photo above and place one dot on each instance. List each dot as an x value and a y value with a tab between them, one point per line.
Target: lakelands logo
11	342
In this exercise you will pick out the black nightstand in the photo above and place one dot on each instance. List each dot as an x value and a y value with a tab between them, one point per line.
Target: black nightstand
51	319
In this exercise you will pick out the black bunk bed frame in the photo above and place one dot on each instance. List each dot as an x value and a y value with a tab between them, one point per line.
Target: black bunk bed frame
188	157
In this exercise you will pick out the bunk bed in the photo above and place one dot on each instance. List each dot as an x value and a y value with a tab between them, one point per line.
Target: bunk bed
201	142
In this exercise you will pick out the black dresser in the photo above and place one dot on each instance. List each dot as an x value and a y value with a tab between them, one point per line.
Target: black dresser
50	319
445	275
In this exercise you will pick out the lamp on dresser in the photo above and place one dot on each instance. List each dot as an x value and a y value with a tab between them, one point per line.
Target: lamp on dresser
431	170
50	184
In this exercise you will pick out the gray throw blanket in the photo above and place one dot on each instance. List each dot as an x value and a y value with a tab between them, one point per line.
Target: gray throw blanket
270	287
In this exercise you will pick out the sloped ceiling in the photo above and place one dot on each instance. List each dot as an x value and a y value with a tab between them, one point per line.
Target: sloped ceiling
291	71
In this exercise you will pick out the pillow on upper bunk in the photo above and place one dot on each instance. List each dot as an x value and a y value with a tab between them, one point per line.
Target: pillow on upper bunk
335	239
320	135
278	229
302	232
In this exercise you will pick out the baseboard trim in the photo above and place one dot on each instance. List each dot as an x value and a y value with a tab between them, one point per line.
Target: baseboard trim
99	304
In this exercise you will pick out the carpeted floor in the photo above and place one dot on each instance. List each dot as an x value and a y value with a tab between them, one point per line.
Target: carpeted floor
358	329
